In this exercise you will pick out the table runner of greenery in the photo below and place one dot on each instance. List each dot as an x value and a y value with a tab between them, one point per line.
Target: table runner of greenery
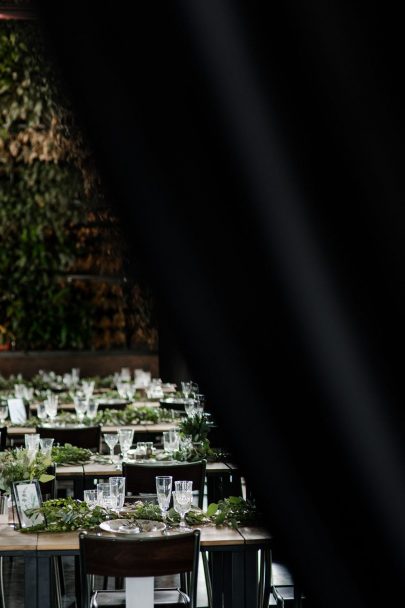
68	514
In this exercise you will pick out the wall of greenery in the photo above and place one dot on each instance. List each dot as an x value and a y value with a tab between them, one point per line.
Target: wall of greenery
55	228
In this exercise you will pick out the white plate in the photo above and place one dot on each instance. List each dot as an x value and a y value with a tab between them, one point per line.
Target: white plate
143	527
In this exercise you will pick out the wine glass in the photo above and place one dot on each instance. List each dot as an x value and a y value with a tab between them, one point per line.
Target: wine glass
182	501
186	389
88	388
81	404
111	440
3	412
51	405
164	493
92	408
125	438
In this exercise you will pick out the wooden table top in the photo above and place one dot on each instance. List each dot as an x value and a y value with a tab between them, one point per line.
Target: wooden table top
13	540
15	431
93	469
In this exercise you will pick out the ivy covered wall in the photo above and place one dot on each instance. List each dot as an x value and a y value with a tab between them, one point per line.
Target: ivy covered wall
62	261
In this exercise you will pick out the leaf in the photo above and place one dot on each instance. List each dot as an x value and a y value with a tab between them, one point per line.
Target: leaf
44	478
212	509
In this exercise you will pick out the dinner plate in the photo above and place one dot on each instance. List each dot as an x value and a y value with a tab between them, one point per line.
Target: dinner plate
138	527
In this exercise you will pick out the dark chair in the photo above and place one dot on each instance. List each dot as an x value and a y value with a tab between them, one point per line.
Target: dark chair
139	557
81	437
140	478
3	438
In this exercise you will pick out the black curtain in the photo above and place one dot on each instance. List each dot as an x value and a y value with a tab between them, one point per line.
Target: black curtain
254	151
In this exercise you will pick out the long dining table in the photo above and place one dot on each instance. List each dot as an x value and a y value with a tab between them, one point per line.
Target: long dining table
236	581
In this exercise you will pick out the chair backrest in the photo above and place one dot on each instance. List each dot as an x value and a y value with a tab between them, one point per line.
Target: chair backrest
140	478
83	437
139	557
3	438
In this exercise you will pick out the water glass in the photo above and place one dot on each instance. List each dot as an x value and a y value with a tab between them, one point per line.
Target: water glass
90	496
19	391
130	391
125	374
51	405
122	389
3	412
41	411
111	440
88	388
171	441
92	408
81	405
104	496
125	438
117	489
164	492
46	446
28	393
32	442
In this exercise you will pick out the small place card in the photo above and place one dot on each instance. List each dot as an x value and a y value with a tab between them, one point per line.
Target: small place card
17	411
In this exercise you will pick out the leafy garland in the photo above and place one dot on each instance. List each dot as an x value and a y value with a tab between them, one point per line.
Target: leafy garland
18	465
70	454
68	514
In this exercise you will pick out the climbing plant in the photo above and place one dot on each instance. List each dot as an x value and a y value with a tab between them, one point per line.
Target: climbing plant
53	219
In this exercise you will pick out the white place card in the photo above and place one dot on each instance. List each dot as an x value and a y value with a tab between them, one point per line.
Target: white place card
17	411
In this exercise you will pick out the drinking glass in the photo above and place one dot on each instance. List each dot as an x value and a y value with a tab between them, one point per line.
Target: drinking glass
92	408
189	407
117	489
28	393
80	407
200	404
104	496
19	391
141	450
90	496
51	405
88	388
122	389
75	375
170	441
194	389
130	391
164	492
3	412
41	411
182	501
125	438
46	446
186	389
125	374
111	440
32	442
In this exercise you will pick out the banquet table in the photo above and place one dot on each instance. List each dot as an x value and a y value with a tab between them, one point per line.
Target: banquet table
232	552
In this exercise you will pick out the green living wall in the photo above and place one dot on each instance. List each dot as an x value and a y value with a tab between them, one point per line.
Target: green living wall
56	230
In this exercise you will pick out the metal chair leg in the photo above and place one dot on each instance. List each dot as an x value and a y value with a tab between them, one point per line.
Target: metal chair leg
2	595
207	577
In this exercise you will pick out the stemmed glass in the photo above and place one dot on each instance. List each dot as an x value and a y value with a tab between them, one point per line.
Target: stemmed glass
186	389
111	440
164	493
81	404
3	412
51	406
125	438
88	388
92	408
182	501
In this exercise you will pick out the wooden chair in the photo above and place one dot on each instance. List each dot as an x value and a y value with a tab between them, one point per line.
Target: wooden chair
3	438
140	478
139	557
81	437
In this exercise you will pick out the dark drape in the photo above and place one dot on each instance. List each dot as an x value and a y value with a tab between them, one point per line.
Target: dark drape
254	151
